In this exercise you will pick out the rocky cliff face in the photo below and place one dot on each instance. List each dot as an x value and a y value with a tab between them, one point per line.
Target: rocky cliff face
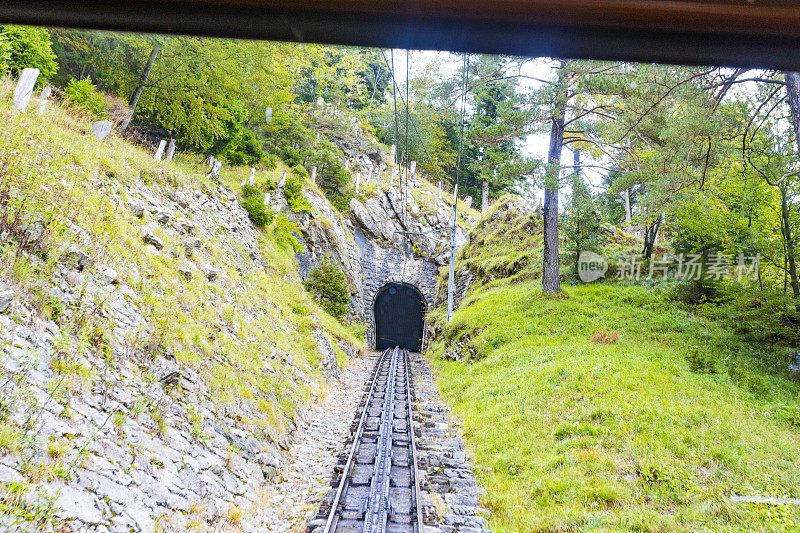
378	242
156	350
383	237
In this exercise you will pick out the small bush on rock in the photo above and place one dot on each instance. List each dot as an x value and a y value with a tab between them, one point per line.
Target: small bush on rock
293	190
286	232
332	176
83	94
328	284
259	214
251	191
300	172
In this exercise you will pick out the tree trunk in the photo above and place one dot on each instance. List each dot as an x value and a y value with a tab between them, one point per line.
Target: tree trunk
626	195
576	162
657	233
551	282
788	238
485	197
793	92
650	234
138	92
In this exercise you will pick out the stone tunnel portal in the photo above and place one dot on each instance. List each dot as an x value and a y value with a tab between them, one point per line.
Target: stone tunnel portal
399	317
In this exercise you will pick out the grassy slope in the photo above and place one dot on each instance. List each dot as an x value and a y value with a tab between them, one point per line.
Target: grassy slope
225	330
572	435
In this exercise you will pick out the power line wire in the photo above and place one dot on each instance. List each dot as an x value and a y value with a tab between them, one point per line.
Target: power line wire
464	82
414	124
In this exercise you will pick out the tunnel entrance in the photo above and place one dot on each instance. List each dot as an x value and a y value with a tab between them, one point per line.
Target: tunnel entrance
399	317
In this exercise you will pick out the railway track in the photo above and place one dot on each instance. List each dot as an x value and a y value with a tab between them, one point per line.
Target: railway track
376	486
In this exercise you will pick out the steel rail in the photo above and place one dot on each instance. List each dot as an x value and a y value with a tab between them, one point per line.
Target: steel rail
376	509
331	523
379	489
413	443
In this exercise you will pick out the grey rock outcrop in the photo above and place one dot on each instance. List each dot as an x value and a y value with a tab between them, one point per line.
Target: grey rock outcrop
137	209
210	271
76	259
162	217
149	238
148	439
6	298
329	367
107	274
378	243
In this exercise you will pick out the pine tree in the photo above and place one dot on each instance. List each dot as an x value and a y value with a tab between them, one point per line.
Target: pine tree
582	226
501	119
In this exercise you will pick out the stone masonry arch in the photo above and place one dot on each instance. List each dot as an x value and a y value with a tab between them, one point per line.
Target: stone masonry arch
384	265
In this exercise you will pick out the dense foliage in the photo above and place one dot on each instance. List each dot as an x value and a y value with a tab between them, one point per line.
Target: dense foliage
253	202
328	284
83	94
26	47
690	160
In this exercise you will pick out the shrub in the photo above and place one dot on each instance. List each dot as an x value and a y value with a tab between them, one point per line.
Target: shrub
789	414
285	234
259	214
83	94
702	361
696	291
244	150
251	191
751	381
300	172
292	156
268	185
293	190
332	177
766	316
29	47
269	162
328	284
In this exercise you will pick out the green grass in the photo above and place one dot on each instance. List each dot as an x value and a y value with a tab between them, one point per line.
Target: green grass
54	171
570	435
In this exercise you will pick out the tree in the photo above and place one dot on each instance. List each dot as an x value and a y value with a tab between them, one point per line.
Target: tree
339	75
29	47
328	284
551	282
137	93
501	118
376	78
582	220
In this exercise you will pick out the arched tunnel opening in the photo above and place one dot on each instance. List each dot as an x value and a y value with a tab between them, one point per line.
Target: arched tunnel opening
399	317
